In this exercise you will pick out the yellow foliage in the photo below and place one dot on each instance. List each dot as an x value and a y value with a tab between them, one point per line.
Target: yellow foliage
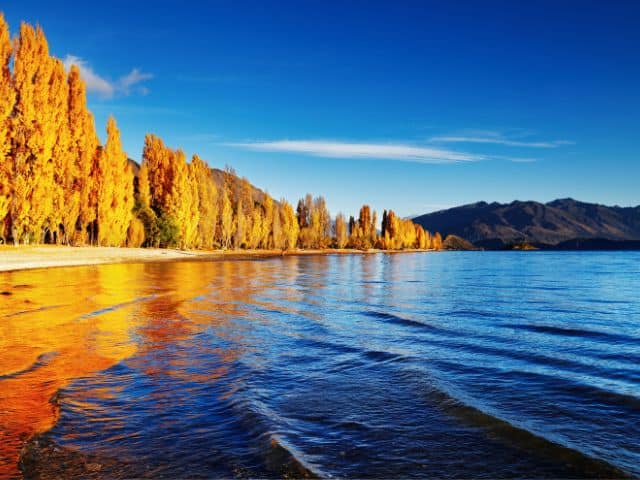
341	231
58	184
226	220
208	201
135	233
290	227
115	195
7	102
84	145
144	189
34	135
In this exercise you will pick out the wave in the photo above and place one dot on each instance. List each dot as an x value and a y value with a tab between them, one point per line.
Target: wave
576	332
529	441
398	320
42	360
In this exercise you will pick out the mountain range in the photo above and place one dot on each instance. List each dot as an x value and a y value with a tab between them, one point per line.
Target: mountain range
563	223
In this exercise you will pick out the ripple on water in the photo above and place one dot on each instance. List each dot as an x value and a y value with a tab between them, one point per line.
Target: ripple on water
417	365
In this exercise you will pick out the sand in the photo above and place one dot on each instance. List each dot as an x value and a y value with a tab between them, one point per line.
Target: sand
47	256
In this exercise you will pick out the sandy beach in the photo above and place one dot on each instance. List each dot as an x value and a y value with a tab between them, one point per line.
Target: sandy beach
48	256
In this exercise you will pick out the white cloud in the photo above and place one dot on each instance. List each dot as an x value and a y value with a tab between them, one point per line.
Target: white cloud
124	86
497	139
384	151
132	78
94	82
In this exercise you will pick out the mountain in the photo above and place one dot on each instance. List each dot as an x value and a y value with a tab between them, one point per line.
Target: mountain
453	242
496	225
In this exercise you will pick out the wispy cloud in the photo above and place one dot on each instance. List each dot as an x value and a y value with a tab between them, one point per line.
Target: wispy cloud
382	151
124	86
495	138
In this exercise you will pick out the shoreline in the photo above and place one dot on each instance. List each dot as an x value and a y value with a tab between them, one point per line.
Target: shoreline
30	257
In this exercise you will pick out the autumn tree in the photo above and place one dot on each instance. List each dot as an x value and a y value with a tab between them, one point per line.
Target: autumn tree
277	232
115	193
7	101
33	136
66	197
290	226
208	203
341	231
240	225
266	231
226	219
84	147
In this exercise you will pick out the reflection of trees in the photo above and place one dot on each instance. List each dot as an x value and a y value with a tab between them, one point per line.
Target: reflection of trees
184	321
57	325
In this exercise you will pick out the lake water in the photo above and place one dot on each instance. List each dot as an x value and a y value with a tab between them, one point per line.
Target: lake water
478	364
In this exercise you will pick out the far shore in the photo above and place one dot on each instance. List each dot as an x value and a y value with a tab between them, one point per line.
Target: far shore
25	257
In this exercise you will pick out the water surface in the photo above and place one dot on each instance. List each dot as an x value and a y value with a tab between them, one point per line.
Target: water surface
495	364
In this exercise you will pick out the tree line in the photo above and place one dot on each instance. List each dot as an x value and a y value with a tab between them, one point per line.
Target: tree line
59	184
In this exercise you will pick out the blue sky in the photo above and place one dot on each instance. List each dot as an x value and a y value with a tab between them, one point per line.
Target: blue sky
413	106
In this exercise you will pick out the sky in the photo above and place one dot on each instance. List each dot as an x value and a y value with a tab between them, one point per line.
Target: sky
410	106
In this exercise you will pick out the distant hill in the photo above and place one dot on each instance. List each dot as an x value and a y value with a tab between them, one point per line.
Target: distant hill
453	242
496	225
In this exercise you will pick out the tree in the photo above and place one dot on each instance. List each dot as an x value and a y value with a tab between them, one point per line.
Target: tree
240	226
144	189
84	147
33	136
226	219
208	201
341	231
290	225
7	102
302	213
278	235
115	195
266	231
66	198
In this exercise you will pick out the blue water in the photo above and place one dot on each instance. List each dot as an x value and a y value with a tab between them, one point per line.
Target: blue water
478	364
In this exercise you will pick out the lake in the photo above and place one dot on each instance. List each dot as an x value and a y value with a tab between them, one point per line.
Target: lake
461	364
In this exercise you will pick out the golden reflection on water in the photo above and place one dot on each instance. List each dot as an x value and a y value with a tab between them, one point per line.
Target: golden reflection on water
61	324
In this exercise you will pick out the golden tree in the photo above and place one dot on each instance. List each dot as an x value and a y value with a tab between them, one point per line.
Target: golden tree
156	159
115	194
277	233
240	225
266	231
208	200
290	225
66	197
255	230
84	147
7	102
182	200
226	219
144	189
341	231
34	136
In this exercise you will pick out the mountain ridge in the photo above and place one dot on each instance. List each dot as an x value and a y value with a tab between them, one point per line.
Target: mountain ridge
495	225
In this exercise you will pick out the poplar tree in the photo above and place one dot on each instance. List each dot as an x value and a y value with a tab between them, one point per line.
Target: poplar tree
33	136
115	194
341	231
208	196
279	241
66	197
290	225
84	147
7	102
226	219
